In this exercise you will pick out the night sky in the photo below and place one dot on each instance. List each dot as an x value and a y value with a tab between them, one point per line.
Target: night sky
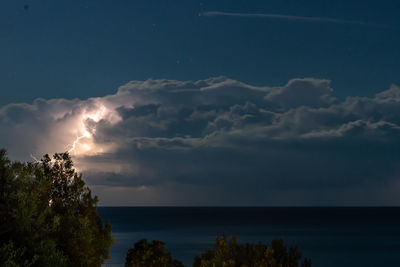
208	102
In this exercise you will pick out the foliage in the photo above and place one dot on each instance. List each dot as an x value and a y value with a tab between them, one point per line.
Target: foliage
228	253
14	257
152	254
48	217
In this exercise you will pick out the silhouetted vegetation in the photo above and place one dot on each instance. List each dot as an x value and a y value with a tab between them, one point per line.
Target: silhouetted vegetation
152	254
227	253
48	217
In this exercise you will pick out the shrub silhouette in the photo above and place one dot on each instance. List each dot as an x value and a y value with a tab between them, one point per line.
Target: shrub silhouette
152	254
48	217
227	253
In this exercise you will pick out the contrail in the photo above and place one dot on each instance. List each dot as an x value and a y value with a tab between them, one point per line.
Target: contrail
286	17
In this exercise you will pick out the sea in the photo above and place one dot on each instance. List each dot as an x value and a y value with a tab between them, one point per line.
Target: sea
330	236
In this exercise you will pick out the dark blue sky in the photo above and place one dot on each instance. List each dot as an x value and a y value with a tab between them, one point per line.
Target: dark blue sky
82	49
208	102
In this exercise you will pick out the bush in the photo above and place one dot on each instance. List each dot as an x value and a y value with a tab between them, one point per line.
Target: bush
228	253
48	216
152	254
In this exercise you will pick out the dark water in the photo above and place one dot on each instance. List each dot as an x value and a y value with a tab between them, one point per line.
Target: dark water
329	236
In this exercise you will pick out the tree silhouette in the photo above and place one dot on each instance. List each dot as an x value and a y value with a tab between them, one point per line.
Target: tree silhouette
152	254
48	216
228	253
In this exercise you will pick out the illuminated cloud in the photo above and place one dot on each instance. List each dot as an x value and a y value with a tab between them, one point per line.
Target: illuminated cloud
220	141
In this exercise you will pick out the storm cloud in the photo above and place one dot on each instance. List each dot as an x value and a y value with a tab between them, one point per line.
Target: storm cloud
219	141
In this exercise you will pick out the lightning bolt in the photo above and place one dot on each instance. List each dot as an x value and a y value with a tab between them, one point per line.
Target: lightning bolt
72	147
87	132
80	129
35	159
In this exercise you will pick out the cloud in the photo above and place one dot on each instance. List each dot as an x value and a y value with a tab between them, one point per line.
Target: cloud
220	141
286	17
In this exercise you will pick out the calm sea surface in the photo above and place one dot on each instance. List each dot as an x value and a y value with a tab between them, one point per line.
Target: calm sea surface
329	236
